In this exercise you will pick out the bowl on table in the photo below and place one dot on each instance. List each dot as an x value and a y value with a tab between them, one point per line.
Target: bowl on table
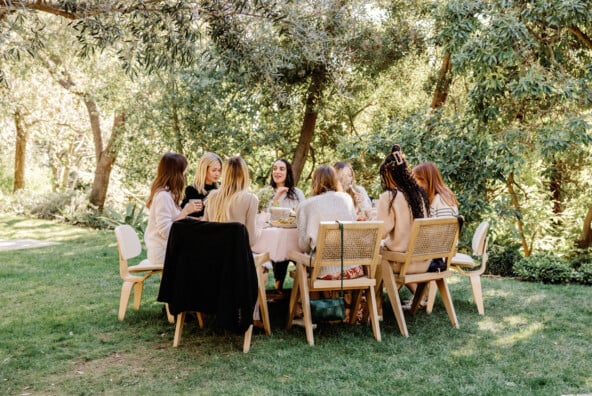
278	213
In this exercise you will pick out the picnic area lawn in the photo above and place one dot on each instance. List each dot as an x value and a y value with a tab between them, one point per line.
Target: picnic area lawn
59	334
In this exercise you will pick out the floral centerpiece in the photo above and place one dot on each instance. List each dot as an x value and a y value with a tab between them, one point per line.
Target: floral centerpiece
265	194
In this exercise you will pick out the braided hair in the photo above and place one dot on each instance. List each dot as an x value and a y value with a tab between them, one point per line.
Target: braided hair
396	176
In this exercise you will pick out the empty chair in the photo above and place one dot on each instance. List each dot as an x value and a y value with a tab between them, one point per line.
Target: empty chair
467	266
134	276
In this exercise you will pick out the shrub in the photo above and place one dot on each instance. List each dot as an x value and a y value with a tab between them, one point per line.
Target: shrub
544	268
501	259
134	215
584	274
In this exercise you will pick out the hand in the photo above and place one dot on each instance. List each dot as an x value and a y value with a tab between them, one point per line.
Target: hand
358	197
193	205
279	192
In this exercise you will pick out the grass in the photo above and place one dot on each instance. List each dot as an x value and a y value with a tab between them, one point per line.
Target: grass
59	334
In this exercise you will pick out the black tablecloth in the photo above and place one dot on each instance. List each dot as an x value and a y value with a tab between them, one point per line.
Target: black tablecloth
209	268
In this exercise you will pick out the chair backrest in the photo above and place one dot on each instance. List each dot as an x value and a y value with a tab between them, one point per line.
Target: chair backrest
431	238
128	241
361	245
479	239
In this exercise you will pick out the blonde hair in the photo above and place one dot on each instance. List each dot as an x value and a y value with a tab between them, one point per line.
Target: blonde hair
351	189
235	181
206	160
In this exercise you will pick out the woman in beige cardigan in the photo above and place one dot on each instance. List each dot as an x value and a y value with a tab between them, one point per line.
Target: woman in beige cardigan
233	201
401	202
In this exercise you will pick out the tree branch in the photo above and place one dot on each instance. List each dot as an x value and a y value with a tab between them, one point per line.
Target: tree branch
584	39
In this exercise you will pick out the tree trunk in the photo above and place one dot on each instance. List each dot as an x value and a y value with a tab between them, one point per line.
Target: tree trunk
586	238
314	94
555	187
443	83
105	160
510	185
20	150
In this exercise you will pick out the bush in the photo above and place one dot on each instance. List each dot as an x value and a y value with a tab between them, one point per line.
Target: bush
134	215
545	268
501	259
584	274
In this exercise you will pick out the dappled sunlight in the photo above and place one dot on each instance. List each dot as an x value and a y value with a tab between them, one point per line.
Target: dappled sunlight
512	329
521	335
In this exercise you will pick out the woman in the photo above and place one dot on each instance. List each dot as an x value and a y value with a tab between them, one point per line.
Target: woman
328	203
345	174
208	172
233	202
163	204
442	200
402	201
286	195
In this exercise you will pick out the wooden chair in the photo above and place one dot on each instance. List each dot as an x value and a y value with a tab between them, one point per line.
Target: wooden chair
134	276
361	247
227	282
260	259
465	265
430	238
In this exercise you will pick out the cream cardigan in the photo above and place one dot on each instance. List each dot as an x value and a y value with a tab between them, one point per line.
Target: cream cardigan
398	220
243	210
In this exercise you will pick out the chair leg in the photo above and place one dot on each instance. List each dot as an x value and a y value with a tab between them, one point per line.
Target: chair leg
293	300
126	290
378	291
431	296
247	340
447	300
179	328
170	316
393	293
138	286
305	298
200	320
355	306
420	294
262	297
477	293
371	302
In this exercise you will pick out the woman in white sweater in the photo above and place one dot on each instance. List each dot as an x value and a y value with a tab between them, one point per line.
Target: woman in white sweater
326	204
163	204
233	202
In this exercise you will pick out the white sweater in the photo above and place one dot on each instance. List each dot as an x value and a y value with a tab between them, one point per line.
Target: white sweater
163	212
329	206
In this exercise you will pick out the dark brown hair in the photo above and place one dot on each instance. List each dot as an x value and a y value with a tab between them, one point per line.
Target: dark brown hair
170	176
324	179
396	176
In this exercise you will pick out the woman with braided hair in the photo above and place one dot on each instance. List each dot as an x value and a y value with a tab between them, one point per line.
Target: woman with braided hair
402	201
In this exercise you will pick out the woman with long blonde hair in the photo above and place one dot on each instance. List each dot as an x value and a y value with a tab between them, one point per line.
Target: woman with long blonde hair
163	205
208	172
233	202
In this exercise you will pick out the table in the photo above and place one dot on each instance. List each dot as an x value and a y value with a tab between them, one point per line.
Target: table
277	242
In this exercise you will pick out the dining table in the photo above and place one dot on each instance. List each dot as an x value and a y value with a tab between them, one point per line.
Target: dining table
277	241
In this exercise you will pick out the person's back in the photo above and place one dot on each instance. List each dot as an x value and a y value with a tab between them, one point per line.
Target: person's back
329	206
232	202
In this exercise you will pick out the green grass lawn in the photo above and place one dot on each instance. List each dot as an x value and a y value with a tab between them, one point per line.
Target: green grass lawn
59	334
